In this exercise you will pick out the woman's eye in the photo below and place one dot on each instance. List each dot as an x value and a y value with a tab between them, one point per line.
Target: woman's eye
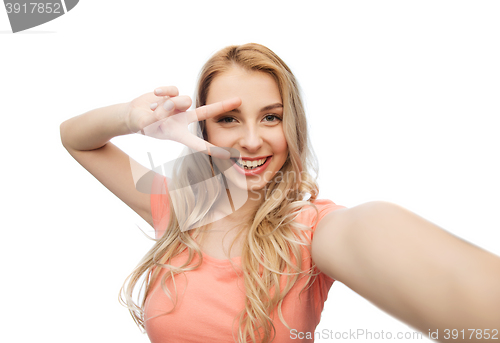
225	120
271	118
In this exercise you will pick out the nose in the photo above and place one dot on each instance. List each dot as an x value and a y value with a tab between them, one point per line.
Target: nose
251	139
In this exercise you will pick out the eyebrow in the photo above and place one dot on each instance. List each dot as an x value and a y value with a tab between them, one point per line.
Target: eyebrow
263	109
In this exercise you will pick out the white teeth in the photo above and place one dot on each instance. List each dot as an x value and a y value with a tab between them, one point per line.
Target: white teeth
251	164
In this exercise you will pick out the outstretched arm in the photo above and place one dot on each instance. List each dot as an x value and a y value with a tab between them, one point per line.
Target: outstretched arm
410	268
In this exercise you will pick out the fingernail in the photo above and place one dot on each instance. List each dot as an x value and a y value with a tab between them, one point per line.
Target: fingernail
168	105
158	90
153	105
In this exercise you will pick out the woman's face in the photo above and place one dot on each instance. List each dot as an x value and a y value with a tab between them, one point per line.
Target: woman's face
255	128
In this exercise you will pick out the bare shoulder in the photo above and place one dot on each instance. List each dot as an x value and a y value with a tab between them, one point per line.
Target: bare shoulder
335	236
338	220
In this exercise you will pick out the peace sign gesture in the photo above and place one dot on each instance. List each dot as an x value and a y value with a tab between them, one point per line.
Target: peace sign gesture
163	115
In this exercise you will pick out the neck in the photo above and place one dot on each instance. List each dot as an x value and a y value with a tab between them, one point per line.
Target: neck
239	205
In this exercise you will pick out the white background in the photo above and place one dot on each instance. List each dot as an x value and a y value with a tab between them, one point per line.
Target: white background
402	101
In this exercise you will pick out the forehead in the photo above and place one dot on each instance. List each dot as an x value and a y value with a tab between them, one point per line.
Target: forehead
250	86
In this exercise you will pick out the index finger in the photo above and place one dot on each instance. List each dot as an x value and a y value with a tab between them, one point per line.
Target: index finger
209	111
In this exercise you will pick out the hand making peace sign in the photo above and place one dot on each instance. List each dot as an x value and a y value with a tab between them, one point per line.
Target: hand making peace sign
164	115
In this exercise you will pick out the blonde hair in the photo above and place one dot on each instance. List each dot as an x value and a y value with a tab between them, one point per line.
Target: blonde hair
273	240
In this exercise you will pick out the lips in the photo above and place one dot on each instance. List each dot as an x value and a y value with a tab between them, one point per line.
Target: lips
253	158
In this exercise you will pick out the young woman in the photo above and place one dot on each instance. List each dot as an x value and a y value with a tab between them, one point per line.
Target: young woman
245	252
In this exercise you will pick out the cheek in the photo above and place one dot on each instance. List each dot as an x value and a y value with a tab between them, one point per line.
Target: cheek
211	135
279	144
219	137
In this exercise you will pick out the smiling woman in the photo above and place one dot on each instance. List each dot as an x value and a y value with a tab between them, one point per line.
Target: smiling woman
269	229
285	247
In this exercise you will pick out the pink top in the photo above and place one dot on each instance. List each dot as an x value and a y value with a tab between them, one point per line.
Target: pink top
212	296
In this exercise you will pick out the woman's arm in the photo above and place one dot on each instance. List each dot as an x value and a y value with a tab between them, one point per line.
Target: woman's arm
95	128
161	115
410	268
86	138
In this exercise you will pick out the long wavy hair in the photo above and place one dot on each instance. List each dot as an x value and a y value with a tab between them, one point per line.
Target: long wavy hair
273	240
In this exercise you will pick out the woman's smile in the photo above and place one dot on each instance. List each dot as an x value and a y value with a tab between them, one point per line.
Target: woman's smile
248	167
